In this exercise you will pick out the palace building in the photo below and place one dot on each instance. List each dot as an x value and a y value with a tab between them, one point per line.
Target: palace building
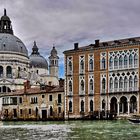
102	78
17	66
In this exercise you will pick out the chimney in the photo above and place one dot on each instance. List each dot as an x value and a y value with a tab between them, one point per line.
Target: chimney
61	82
75	46
97	43
28	84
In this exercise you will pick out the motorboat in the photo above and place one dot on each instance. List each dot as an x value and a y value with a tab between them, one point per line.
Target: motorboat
135	119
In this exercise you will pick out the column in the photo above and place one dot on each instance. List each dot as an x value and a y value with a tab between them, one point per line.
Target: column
128	107
118	109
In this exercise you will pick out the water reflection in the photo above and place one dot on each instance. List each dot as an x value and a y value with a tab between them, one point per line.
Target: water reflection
97	130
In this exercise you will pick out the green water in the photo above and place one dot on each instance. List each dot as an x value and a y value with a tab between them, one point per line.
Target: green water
94	130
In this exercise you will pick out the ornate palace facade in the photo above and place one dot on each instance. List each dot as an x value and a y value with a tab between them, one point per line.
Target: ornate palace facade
102	78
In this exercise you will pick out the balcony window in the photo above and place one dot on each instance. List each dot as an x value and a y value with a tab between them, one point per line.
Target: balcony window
103	84
125	83
103	63
135	60
111	84
70	86
91	65
135	82
91	85
82	65
116	62
130	60
69	66
82	85
120	83
130	82
120	62
125	61
111	62
116	83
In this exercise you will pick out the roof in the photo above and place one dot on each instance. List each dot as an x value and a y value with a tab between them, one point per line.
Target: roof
107	44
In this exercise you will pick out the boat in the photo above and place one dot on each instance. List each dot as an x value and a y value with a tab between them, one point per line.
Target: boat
135	119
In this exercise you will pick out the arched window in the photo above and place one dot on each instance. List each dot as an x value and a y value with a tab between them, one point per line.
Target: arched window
9	72
135	60
82	65
121	83
130	60
82	85
116	83
111	83
82	106
1	71
91	85
125	61
125	83
103	84
130	82
70	86
70	66
135	82
111	62
91	64
115	62
103	63
70	106
91	106
120	62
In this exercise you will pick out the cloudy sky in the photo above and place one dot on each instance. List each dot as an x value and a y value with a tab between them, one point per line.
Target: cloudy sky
64	22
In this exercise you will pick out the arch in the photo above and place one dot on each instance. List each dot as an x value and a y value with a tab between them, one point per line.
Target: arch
135	82
91	85
1	71
116	61
82	85
133	104
111	83
120	61
113	105
91	64
130	82
111	62
135	60
70	66
120	83
103	63
91	105
70	86
125	83
125	61
9	72
123	105
130	60
116	83
103	84
82	106
70	106
82	65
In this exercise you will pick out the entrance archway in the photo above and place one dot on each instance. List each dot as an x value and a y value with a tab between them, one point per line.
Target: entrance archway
123	105
133	104
113	105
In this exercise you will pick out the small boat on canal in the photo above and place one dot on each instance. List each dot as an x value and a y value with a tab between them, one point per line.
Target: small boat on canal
135	119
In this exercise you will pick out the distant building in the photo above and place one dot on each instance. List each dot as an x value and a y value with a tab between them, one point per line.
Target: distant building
16	66
103	78
44	103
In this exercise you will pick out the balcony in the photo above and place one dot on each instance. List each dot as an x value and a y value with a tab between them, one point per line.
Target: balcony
103	91
70	94
82	71
69	73
82	93
91	92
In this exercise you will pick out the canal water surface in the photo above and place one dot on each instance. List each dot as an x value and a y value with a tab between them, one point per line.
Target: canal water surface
84	130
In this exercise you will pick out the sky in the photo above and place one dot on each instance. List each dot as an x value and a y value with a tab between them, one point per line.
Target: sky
64	22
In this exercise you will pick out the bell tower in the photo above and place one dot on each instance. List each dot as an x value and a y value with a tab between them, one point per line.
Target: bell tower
5	24
53	62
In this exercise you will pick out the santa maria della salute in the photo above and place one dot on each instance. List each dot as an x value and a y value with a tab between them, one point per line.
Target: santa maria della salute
16	65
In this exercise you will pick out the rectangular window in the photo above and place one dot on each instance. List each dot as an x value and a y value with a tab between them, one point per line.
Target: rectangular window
43	96
50	97
59	98
59	109
20	100
30	111
21	112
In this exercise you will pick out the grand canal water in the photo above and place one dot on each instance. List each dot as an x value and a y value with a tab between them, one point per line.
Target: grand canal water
84	130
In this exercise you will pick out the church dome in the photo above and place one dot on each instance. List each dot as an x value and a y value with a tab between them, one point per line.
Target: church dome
36	60
11	44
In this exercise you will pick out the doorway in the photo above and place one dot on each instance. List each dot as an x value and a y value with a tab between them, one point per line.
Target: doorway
44	114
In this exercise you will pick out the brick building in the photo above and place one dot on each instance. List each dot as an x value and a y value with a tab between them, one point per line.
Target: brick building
102	78
38	103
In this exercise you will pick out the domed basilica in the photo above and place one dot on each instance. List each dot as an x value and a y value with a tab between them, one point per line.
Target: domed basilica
16	66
